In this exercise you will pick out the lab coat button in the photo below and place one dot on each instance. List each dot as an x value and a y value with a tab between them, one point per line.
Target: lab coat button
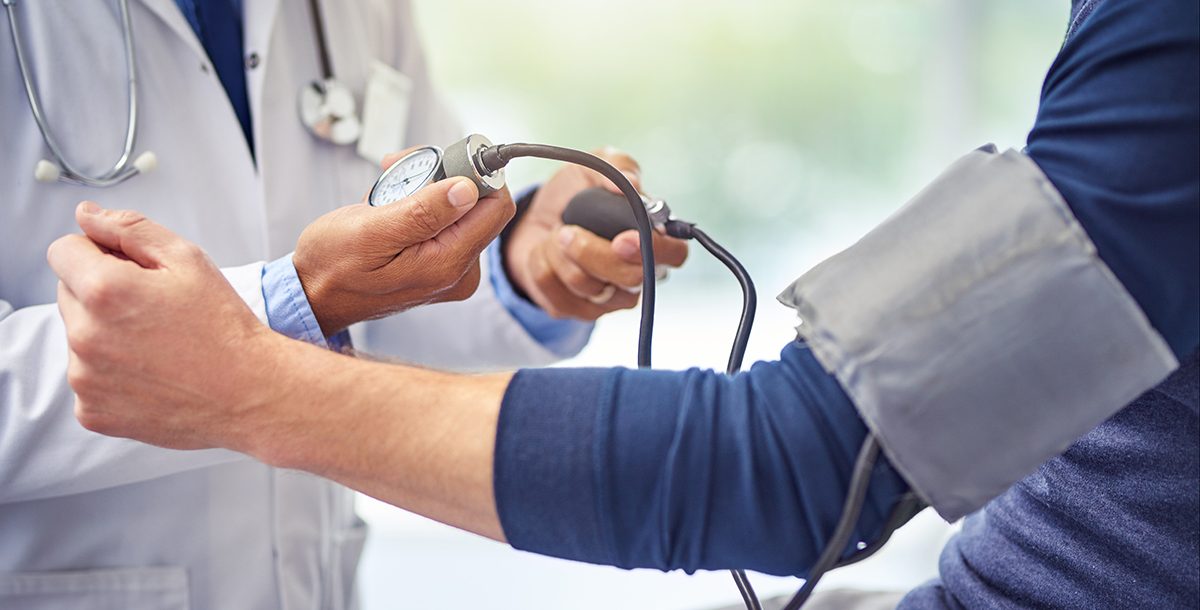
252	61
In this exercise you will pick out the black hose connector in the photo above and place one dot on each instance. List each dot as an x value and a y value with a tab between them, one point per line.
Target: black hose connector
680	229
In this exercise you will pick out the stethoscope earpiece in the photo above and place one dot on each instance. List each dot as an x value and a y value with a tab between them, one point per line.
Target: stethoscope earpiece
146	162
45	171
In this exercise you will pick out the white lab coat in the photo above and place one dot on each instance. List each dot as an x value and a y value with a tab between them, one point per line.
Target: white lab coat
88	521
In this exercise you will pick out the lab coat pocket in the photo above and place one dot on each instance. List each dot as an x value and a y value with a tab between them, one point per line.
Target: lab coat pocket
157	588
349	545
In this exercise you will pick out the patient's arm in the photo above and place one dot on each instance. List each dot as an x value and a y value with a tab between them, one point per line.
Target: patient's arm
671	470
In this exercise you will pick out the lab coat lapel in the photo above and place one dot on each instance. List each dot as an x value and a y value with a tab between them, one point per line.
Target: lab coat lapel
168	12
259	18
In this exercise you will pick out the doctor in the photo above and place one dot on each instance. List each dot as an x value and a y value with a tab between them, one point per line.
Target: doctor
95	522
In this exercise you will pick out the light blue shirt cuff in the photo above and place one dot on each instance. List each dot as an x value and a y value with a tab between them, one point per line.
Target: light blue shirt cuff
288	310
563	338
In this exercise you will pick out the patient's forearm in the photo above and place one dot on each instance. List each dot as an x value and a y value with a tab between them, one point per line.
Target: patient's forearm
417	439
669	470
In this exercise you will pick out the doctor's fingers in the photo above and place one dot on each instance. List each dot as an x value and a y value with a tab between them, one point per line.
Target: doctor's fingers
601	258
553	296
583	284
144	241
424	214
667	250
480	226
622	161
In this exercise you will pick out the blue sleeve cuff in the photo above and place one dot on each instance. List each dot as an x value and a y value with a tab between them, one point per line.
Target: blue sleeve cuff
563	338
288	310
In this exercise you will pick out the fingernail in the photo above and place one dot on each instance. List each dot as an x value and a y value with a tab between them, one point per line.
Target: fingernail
88	207
626	248
462	194
565	236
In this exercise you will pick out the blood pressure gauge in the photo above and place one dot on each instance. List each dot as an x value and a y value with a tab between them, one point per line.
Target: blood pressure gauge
430	164
420	167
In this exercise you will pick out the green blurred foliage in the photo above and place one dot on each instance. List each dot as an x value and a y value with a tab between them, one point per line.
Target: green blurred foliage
754	116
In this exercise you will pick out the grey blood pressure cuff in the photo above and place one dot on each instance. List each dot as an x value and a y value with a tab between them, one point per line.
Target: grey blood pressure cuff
977	331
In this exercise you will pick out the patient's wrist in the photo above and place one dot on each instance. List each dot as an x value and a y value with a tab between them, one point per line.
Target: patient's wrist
279	391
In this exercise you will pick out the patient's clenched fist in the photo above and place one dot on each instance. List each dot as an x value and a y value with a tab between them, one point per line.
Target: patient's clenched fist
148	318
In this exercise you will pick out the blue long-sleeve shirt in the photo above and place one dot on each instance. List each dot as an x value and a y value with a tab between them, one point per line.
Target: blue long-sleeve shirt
695	470
1114	522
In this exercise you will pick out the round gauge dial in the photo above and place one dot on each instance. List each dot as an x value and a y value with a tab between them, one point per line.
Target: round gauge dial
407	176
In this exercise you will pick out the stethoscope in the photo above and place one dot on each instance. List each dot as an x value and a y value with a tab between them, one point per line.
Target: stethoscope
327	109
60	168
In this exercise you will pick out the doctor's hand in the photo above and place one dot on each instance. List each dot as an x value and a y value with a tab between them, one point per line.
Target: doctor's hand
162	348
573	273
361	262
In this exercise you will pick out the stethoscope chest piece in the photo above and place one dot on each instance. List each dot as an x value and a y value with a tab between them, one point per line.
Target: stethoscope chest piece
329	112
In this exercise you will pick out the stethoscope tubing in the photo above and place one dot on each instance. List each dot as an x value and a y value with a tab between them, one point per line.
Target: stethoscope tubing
120	170
318	24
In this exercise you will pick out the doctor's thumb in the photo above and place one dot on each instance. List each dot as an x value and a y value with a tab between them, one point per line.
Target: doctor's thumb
127	233
427	212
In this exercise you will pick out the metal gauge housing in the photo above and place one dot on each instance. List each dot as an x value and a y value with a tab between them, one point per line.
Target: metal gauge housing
410	174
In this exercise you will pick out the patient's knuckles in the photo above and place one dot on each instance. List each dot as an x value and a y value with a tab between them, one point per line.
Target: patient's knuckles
88	417
79	380
84	338
188	253
98	420
103	293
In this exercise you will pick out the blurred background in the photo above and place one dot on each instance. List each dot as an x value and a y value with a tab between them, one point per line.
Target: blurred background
786	128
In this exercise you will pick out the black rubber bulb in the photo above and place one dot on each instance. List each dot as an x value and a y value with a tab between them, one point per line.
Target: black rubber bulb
600	211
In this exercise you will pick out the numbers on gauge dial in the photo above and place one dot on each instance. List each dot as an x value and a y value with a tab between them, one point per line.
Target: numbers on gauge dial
407	176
